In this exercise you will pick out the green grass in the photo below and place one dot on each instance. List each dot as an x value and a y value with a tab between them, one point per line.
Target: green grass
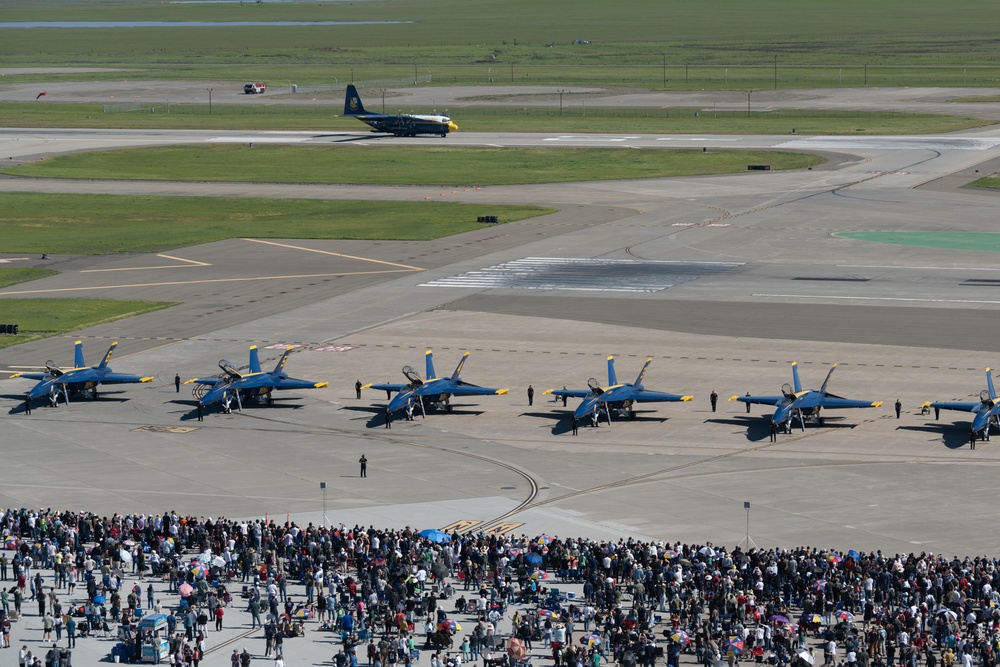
980	241
390	165
845	33
576	117
10	277
41	318
103	224
992	182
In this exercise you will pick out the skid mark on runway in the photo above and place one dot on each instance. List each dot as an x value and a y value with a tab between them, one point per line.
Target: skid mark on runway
336	254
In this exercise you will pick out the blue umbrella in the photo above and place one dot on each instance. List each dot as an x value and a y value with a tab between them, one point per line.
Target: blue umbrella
435	535
533	558
854	554
98	599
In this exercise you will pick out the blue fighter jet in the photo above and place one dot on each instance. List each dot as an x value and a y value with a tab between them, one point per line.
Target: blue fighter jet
616	397
986	410
81	377
400	125
796	403
432	392
232	384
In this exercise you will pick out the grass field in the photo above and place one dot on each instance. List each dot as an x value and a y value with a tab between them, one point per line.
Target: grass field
576	117
102	224
391	165
978	241
41	318
10	277
465	31
992	182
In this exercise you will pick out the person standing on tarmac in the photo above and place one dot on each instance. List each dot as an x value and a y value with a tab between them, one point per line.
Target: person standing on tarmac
714	398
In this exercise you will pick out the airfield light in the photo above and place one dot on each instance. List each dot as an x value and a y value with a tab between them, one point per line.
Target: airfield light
560	101
209	100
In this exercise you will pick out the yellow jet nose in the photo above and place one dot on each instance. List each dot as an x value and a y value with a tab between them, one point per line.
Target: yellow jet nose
452	126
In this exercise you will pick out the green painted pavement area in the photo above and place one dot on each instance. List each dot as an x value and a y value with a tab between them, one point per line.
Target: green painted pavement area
982	241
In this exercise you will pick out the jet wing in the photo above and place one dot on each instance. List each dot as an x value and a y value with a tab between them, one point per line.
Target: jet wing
212	381
465	389
838	402
386	387
288	383
31	376
114	378
759	400
646	396
961	406
569	393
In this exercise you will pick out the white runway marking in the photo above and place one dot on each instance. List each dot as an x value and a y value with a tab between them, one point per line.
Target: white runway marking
592	139
871	298
256	140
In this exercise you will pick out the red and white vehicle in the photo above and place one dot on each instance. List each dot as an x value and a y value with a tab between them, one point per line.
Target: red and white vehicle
255	88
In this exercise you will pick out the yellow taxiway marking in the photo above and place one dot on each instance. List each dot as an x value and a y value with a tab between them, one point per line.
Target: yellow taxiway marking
199	282
336	254
187	263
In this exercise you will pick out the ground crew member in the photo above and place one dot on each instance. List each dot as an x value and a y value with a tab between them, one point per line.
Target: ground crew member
531	394
357	388
714	398
899	408
748	405
364	465
177	383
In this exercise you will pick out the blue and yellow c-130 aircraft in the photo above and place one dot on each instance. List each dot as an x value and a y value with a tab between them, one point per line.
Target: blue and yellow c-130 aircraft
796	403
617	397
401	124
986	409
232	384
81	377
431	392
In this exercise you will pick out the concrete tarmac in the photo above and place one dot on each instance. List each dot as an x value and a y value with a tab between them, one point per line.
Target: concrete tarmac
903	322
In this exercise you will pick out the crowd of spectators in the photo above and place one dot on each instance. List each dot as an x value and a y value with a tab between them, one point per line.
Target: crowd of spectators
388	593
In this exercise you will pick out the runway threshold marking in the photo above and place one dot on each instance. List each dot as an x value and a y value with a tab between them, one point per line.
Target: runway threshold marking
336	254
872	298
198	282
187	263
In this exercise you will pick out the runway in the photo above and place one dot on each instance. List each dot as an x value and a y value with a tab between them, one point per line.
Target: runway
902	322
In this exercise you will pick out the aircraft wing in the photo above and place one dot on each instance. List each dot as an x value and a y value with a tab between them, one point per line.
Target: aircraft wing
759	400
466	389
31	376
838	402
386	387
961	406
212	381
114	378
570	393
646	396
289	383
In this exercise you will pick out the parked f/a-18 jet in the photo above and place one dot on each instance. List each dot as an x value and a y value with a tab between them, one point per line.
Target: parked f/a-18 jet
614	397
401	124
79	378
231	384
986	410
432	392
796	403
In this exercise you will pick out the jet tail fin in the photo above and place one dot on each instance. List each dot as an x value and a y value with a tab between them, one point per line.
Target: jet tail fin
822	389
254	359
78	354
284	357
107	356
642	373
989	384
612	376
429	365
352	102
796	383
458	369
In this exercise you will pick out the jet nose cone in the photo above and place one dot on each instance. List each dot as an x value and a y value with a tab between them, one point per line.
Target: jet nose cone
452	126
